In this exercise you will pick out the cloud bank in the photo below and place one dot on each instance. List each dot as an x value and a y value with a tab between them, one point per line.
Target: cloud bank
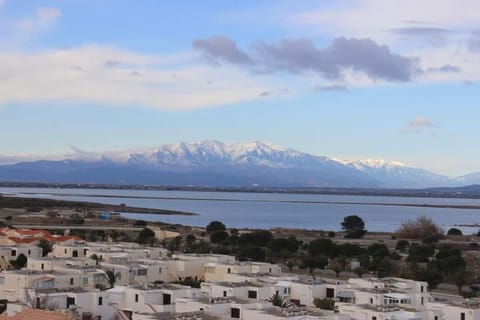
298	56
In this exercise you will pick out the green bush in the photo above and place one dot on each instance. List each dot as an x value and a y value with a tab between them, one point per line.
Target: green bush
324	303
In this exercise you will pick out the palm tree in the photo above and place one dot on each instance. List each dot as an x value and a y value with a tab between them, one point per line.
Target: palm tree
279	301
111	277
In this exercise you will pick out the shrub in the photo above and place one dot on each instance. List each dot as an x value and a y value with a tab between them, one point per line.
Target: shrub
454	232
146	236
430	239
402	245
331	234
420	253
378	250
140	223
324	303
421	228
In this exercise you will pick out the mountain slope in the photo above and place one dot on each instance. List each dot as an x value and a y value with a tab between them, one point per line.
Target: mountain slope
213	163
398	175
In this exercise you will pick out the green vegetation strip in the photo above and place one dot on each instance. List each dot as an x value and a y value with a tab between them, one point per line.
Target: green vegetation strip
37	204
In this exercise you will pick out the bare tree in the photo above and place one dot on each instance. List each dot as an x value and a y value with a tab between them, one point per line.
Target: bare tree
36	301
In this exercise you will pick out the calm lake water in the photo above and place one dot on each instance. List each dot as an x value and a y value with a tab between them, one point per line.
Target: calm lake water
269	210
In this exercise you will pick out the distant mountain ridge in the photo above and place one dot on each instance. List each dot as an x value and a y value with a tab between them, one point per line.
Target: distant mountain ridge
214	163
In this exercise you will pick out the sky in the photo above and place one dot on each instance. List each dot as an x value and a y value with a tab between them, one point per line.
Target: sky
352	79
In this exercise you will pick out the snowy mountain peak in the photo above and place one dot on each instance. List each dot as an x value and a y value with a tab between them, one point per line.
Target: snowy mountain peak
213	162
374	163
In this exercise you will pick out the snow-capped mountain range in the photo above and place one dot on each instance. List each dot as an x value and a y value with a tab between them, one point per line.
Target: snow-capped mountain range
213	163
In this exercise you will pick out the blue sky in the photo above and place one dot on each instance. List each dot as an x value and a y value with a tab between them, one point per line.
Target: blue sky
346	79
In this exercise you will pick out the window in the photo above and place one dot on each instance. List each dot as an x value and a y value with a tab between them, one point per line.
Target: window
374	318
229	270
14	253
98	277
100	301
85	280
224	293
43	266
160	270
421	288
252	294
71	281
436	318
29	252
422	300
270	270
141	272
2	280
70	301
136	297
462	316
371	300
65	251
46	284
85	252
330	293
235	313
167	299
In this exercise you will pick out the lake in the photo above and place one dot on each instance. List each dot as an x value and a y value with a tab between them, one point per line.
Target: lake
269	210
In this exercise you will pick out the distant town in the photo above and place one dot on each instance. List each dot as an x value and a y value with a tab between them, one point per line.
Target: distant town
70	260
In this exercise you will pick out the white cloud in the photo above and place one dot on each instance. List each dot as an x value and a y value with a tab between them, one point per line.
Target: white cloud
85	75
376	18
418	124
42	20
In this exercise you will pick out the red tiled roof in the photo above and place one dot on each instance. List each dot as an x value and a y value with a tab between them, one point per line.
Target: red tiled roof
24	240
52	238
31	232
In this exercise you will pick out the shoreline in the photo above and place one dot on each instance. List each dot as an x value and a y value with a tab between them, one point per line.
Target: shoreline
18	202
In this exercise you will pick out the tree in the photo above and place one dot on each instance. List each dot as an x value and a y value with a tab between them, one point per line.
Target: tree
337	265
314	262
252	253
262	238
420	252
215	226
279	301
430	274
322	246
354	226
461	279
111	276
218	236
290	244
359	271
20	262
146	236
350	250
46	246
36	301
